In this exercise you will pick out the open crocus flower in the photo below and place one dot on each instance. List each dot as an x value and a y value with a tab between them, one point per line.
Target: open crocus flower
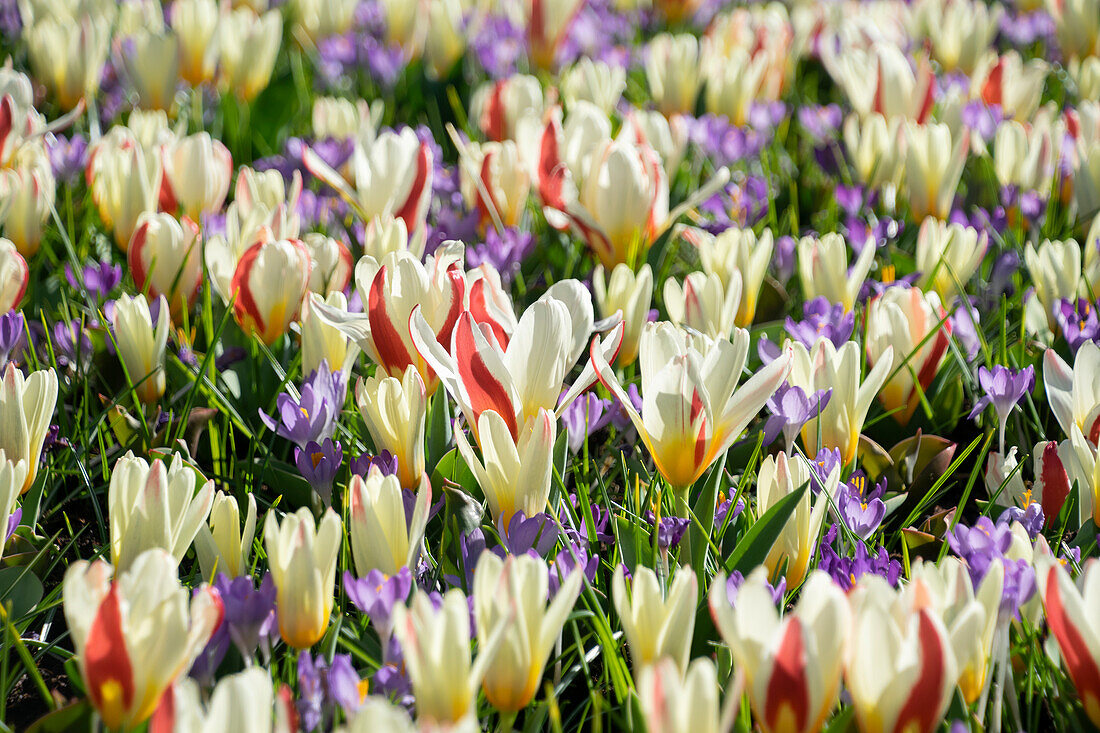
26	408
1073	614
703	303
302	556
392	290
824	272
792	663
673	702
736	251
933	166
1074	393
394	411
692	409
948	585
514	472
269	283
165	258
519	585
222	546
781	476
657	626
136	633
141	345
909	330
13	276
900	668
948	255
151	506
382	538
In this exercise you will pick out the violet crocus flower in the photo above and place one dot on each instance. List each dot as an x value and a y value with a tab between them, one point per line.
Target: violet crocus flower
12	336
13	522
964	322
249	612
498	45
504	250
572	557
385	462
72	346
791	408
821	122
99	279
862	512
725	508
535	535
319	463
1003	387
1031	519
823	465
736	580
210	658
618	417
310	418
67	156
670	530
586	415
325	685
378	594
846	571
821	319
1077	321
986	543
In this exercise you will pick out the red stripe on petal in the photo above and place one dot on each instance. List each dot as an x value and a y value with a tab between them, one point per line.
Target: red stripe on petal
164	718
1082	668
484	389
105	658
457	280
134	255
551	170
492	119
992	89
1055	483
244	307
788	690
6	119
480	311
921	709
383	330
410	210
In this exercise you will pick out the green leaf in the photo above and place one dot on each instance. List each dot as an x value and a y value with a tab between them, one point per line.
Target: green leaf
21	589
634	544
704	512
753	548
74	717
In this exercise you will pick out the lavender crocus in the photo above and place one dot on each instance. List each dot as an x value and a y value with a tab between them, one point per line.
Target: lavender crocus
325	685
249	612
98	279
13	522
378	594
823	465
309	419
586	415
210	658
846	571
12	336
821	319
1078	321
319	463
535	535
1003	387
792	408
862	511
737	579
67	156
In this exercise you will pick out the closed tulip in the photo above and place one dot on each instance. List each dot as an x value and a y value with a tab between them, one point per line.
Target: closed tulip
732	82
124	182
394	411
961	32
319	19
780	476
68	55
792	663
692	409
948	255
26	409
248	44
630	294
872	146
547	24
222	546
141	345
151	506
198	170
494	180
657	626
29	193
909	329
152	62
934	163
1055	269
824	272
13	474
511	594
673	71
1074	392
737	251
302	557
597	82
165	258
239	703
195	23
500	107
387	234
444	37
330	264
135	633
14	275
381	536
269	283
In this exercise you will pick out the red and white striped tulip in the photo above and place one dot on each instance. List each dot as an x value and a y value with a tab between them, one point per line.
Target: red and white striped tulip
269	284
909	329
14	276
792	663
29	191
331	264
135	633
547	22
495	181
882	80
165	258
1074	392
1015	86
499	106
675	702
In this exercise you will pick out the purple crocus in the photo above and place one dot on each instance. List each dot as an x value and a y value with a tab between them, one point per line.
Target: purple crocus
67	156
378	594
964	320
12	336
319	463
72	345
736	580
310	418
535	535
249	612
823	464
586	415
210	658
1003	388
325	685
504	250
1078	321
861	511
846	571
570	558
1031	519
385	462
791	408
13	522
822	319
98	279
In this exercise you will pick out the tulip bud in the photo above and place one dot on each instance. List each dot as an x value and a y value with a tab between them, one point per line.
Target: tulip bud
320	19
68	56
1055	269
675	705
135	634
732	82
961	32
29	191
198	170
1025	158
269	283
499	107
195	23
737	251
597	82
823	269
141	346
165	259
153	66
302	558
323	342
13	474
221	546
249	44
125	182
386	234
933	166
548	21
330	264
872	146
910	330
948	256
336	118
153	507
780	476
377	522
444	41
394	412
510	594
629	294
14	275
672	70
703	304
657	626
26	408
